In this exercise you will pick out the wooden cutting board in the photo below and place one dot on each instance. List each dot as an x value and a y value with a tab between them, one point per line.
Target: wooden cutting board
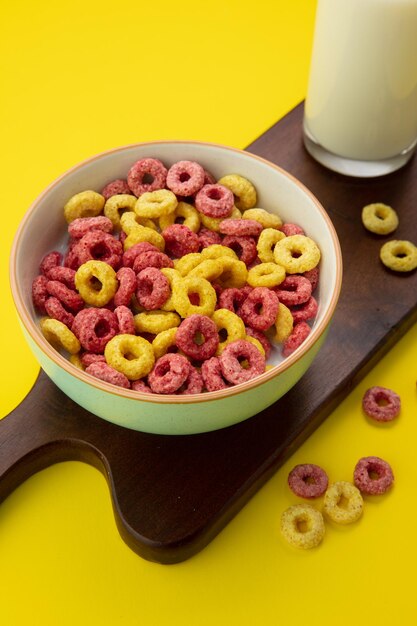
172	495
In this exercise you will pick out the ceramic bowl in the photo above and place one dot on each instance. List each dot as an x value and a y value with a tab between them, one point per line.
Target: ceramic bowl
43	229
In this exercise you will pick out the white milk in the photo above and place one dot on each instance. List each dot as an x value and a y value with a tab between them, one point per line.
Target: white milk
362	94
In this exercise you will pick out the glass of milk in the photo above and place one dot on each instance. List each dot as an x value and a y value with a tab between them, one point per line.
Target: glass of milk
360	116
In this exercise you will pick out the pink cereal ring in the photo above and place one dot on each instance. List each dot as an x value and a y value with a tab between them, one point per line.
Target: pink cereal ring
291	229
137	249
262	338
193	383
193	327
260	308
151	259
89	357
146	175
381	404
209	178
298	335
293	290
125	320
306	311
55	309
127	286
83	225
313	277
373	475
101	247
207	237
232	298
180	240
185	178
212	375
40	293
169	373
140	385
71	259
69	298
63	274
308	481
153	288
245	247
231	357
52	259
243	228
214	201
115	187
108	374
94	328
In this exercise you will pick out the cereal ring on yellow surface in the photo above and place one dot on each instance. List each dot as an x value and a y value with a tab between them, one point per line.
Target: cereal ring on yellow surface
75	359
283	324
242	188
302	526
163	341
231	323
172	275
194	285
188	262
234	272
84	204
96	282
132	356
296	254
210	269
213	223
399	255
266	242
379	218
116	205
59	335
190	215
154	204
256	343
343	503
216	251
129	221
266	275
267	219
144	233
156	322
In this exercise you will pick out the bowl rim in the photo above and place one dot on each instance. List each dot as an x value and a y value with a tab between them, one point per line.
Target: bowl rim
59	360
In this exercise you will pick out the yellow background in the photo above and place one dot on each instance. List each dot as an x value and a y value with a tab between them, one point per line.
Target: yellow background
80	77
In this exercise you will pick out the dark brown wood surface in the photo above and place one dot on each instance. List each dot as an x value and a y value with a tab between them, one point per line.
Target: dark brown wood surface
172	495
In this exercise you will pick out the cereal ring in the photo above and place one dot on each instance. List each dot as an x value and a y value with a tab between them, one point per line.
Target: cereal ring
180	240
144	234
213	223
260	308
182	289
98	246
185	212
84	204
115	188
118	204
171	275
59	336
379	218
210	269
291	229
155	322
130	221
154	204
188	262
234	272
399	255
245	247
216	251
208	237
96	283
146	175
296	254
373	475
382	404
50	260
193	383
266	242
94	328
313	277
294	290
169	374
262	338
163	342
343	503
54	309
231	366
87	358
64	275
242	189
152	288
40	293
126	278
232	298
185	178
243	228
132	356
302	526
308	481
197	337
299	333
125	320
306	311
266	275
283	324
130	255
229	324
107	374
255	343
140	385
151	258
71	259
83	225
214	201
69	298
266	219
76	361
211	373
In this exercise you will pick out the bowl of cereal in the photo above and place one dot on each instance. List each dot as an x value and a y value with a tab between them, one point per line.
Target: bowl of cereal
175	287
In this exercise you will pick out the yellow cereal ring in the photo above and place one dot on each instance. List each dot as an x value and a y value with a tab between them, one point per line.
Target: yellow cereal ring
154	204
59	335
171	274
129	221
302	526
163	341
296	254
242	188
283	324
216	251
76	361
190	215
210	269
399	255
267	219
194	285
229	323
266	275
213	223
256	343
118	204
343	503
188	262
379	218
155	322
144	233
84	204
132	356
88	276
266	242
234	272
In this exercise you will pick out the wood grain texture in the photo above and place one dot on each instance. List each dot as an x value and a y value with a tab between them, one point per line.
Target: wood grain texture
172	495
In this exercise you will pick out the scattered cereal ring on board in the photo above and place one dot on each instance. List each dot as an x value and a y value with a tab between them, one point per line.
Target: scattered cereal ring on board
59	335
214	201
308	480
373	475
182	290
185	178
284	324
266	219
302	526
296	254
154	204
260	308
242	189
115	188
84	204
298	334
266	275
155	322
96	283
241	227
343	503
399	255
379	218
108	374
131	355
381	404
180	240
146	175
266	243
229	323
197	337
231	362
169	373
94	328
118	204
